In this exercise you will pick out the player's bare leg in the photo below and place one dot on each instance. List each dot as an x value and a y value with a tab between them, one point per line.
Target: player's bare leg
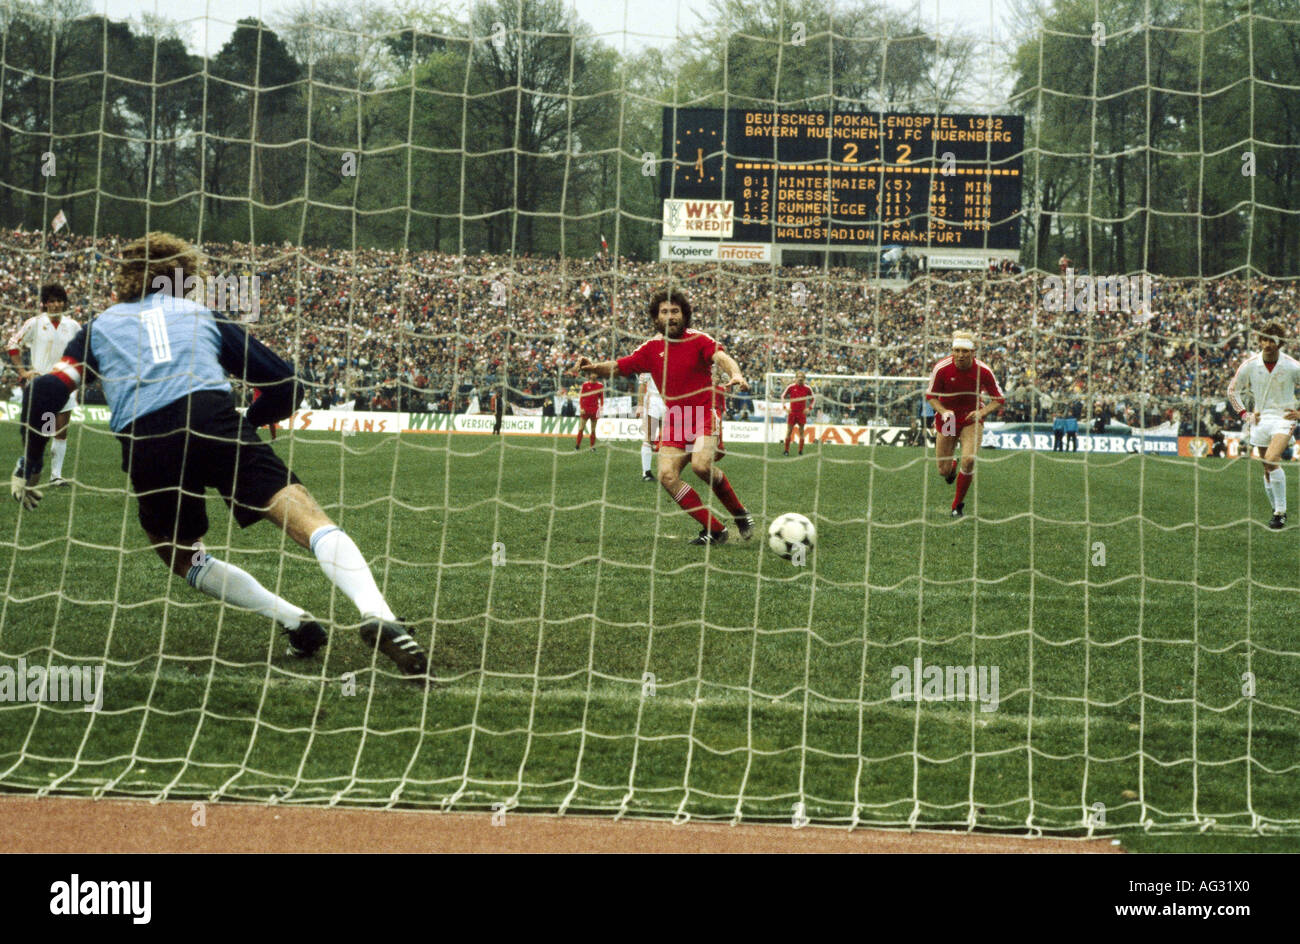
582	427
704	457
969	437
234	585
296	512
1275	479
672	460
59	448
944	446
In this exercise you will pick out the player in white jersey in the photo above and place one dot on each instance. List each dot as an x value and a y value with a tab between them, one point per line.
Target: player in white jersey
46	335
1270	378
651	408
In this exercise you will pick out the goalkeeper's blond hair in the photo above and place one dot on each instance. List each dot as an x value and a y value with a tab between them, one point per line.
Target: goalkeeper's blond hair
154	255
963	338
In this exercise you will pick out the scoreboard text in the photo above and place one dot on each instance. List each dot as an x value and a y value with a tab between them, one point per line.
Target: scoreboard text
852	180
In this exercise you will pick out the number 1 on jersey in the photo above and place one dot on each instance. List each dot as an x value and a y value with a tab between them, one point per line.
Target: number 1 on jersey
159	344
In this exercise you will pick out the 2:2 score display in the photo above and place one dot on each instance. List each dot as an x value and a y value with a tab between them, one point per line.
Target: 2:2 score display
852	179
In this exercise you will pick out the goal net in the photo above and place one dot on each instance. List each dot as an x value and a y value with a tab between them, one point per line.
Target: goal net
436	214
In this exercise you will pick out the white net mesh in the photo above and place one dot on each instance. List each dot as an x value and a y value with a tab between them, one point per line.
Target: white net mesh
445	210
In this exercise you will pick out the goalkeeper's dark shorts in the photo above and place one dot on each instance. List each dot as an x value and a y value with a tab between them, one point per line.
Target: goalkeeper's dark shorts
175	454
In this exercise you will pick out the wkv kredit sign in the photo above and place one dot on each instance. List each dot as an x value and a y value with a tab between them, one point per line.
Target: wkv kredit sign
670	251
714	218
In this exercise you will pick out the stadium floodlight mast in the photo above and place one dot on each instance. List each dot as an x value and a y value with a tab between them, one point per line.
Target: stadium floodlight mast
883	389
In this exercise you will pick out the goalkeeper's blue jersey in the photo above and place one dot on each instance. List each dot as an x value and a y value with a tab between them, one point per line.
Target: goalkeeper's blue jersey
155	351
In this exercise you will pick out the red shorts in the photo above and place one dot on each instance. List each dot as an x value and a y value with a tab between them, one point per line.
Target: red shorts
796	419
590	416
963	420
682	428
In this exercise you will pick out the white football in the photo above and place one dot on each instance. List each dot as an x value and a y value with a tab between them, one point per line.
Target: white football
790	531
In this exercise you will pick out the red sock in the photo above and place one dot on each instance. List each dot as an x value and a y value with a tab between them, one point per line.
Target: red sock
727	494
691	504
787	440
963	483
593	437
722	488
579	442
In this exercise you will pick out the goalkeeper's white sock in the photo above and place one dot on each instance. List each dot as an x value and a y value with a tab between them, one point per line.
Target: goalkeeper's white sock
646	452
1277	486
230	584
343	564
58	449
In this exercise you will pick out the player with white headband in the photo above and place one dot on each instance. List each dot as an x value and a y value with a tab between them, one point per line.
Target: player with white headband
956	385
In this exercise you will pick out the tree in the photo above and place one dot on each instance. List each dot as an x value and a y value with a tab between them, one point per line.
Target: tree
253	105
539	85
1101	124
815	54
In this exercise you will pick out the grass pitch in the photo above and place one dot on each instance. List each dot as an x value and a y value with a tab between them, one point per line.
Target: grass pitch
588	659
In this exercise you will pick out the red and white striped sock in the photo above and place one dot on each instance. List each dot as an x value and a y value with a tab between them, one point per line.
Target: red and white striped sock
690	503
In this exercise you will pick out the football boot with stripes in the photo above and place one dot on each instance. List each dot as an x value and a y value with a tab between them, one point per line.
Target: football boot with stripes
394	641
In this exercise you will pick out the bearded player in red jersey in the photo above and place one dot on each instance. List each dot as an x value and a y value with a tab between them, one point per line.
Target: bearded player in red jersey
800	397
681	362
590	399
956	384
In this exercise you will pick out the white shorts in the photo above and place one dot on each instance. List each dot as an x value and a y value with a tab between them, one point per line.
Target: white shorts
1269	426
71	404
656	409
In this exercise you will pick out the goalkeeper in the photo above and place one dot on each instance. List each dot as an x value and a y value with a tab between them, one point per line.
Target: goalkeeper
163	361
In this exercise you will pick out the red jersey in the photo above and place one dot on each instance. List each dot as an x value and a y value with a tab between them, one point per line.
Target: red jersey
959	390
682	369
800	397
591	398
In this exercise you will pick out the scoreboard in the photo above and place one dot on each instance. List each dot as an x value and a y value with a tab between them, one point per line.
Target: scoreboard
851	180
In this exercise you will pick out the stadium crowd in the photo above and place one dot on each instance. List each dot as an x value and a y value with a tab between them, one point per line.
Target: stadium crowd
392	330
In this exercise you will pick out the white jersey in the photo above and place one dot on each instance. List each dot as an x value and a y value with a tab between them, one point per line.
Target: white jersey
1272	392
45	340
653	400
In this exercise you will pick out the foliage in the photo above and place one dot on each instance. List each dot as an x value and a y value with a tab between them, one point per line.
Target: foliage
514	129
